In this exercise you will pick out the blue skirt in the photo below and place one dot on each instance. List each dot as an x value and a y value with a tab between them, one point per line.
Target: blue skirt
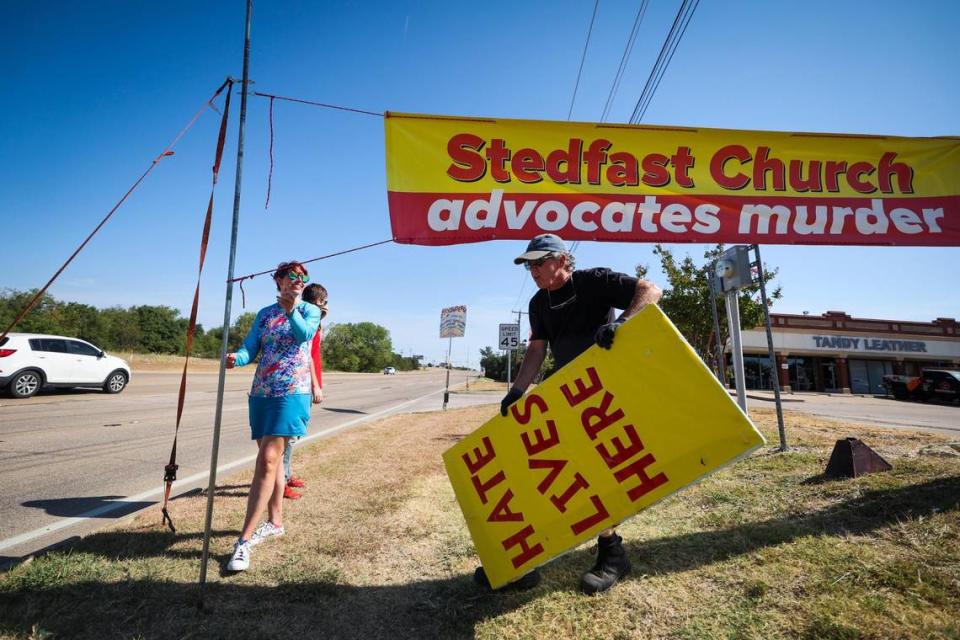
285	416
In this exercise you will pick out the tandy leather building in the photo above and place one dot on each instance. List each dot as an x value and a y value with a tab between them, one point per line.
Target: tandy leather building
835	352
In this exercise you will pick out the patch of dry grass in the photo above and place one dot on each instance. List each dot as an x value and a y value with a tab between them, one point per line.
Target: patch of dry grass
482	384
166	362
378	548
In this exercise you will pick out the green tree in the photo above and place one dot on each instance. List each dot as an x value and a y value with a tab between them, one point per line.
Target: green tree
207	343
687	300
42	318
84	322
361	346
208	346
240	328
404	363
123	328
494	363
159	330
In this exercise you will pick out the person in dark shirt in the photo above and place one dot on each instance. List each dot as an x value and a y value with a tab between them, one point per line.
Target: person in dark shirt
571	311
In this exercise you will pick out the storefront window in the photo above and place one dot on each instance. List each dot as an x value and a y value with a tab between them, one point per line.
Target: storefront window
758	372
866	376
802	374
828	375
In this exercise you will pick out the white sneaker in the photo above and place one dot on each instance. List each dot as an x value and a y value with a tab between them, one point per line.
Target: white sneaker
265	531
240	561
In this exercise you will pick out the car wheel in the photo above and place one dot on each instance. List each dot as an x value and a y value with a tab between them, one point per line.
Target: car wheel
116	382
26	384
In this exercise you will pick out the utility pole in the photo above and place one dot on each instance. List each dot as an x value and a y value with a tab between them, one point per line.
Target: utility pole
212	485
446	390
773	360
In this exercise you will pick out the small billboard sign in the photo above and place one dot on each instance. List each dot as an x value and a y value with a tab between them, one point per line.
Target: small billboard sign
453	322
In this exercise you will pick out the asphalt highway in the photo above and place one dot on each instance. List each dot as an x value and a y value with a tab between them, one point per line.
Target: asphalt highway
72	461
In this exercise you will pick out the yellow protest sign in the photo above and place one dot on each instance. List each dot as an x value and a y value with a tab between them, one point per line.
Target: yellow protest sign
607	436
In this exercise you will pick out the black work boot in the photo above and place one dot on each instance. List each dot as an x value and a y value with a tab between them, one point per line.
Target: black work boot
612	564
527	581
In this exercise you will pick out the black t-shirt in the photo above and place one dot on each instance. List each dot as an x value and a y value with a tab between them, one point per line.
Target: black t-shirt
569	317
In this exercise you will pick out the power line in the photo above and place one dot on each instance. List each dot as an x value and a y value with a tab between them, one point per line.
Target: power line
660	58
573	99
673	50
523	287
316	104
583	57
627	50
670	43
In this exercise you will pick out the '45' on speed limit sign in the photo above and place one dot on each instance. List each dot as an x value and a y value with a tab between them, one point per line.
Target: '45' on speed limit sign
509	337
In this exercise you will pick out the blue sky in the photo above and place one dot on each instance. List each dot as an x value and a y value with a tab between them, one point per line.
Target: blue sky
94	90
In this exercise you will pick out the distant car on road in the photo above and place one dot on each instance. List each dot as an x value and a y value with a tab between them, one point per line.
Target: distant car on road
32	361
389	371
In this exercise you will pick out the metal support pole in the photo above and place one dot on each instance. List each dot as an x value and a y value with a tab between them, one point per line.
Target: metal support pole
215	448
520	315
733	320
446	391
773	360
720	364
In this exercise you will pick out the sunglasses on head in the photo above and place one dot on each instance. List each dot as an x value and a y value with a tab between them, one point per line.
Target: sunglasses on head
529	264
293	276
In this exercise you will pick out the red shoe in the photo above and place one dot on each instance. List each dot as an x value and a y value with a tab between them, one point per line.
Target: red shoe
290	494
296	482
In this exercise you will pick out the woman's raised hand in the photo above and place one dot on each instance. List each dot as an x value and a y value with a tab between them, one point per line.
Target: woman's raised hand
231	360
288	300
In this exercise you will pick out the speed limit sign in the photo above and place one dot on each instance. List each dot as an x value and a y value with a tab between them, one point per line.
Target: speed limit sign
509	337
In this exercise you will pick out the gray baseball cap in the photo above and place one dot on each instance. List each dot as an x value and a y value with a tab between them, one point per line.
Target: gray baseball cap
540	247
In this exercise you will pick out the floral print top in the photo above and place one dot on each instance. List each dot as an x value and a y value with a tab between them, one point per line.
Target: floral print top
283	342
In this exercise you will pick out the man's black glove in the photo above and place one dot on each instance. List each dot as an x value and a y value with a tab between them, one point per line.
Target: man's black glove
512	396
604	335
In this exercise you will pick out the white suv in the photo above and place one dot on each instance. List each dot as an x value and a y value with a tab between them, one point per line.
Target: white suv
31	361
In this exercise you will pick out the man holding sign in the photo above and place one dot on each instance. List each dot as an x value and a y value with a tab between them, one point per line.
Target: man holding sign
571	311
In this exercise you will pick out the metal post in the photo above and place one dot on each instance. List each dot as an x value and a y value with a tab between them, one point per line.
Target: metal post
520	315
733	321
719	361
773	360
212	485
446	391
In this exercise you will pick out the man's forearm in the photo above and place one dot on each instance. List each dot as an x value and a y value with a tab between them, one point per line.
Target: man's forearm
530	366
645	293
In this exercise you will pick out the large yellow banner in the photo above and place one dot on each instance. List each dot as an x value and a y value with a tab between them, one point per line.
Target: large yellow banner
607	436
452	180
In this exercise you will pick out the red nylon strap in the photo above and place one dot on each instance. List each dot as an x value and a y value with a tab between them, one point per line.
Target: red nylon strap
270	175
170	470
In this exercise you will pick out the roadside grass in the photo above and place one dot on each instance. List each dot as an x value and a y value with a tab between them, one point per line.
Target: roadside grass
377	548
482	384
166	362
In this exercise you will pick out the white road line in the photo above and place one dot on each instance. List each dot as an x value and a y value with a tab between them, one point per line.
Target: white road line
107	508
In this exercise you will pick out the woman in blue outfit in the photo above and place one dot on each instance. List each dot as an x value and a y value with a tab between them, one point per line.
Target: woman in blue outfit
279	400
